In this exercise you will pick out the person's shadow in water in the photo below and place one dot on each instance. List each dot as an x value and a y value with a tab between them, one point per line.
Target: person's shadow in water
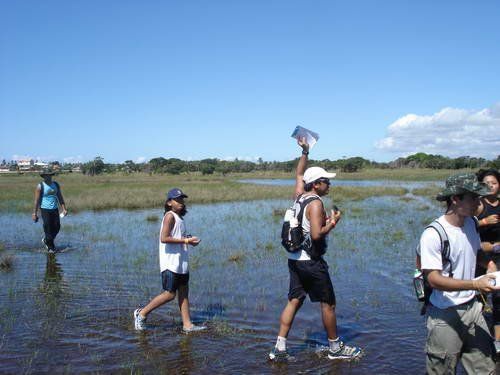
53	274
52	289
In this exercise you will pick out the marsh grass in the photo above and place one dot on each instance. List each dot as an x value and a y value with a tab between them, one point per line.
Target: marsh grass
223	328
406	198
6	262
280	212
139	191
430	191
152	218
238	257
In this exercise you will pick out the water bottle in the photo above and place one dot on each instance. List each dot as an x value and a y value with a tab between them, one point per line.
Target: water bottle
418	283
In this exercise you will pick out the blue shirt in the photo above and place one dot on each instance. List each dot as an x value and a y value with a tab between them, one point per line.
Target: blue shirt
49	197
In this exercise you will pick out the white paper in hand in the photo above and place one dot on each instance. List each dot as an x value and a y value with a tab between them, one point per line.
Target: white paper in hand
497	279
310	136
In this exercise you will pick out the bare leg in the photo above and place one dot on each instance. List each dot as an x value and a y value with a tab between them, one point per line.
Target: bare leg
288	315
329	320
156	302
184	306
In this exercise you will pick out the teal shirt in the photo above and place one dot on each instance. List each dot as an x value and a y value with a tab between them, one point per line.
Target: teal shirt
49	197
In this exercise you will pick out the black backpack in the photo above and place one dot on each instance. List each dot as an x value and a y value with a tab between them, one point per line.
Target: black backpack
292	236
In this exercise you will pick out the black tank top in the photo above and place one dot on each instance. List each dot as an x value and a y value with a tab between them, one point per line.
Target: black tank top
489	233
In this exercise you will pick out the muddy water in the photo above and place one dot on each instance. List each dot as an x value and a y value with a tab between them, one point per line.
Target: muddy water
72	312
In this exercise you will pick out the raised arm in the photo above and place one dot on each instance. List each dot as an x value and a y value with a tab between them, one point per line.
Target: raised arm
301	167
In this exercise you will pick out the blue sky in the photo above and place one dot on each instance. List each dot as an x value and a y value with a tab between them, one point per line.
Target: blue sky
225	79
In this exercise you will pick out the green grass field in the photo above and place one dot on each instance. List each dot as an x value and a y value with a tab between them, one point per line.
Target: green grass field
135	191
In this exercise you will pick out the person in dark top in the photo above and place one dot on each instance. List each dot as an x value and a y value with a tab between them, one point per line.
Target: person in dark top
488	215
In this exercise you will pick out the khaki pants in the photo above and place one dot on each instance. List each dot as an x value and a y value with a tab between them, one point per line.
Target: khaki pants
458	333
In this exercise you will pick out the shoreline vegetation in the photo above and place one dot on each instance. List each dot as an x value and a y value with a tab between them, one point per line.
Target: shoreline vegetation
142	191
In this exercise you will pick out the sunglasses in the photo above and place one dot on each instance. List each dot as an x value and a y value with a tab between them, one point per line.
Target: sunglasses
324	180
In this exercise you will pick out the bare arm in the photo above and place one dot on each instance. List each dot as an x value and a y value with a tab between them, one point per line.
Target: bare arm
61	200
165	235
34	215
488	220
489	247
320	226
448	284
301	167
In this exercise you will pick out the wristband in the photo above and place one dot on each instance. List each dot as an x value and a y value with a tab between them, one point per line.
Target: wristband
305	152
186	241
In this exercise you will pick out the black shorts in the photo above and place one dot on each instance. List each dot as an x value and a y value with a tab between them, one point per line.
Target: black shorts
171	281
310	277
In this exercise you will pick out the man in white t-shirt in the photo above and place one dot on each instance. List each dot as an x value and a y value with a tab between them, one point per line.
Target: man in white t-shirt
456	327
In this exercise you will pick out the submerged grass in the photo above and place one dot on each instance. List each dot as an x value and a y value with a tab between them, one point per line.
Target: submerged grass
138	191
6	262
152	218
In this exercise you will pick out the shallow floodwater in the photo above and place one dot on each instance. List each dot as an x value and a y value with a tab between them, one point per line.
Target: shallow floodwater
336	182
72	312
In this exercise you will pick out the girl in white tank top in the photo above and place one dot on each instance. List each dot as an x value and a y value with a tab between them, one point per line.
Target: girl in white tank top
173	251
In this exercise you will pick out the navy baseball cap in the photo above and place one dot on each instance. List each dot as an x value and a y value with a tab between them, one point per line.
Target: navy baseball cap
176	193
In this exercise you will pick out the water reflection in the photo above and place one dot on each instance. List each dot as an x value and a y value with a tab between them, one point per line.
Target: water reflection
53	271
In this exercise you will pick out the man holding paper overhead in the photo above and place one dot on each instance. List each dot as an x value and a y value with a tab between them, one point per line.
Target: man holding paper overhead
307	268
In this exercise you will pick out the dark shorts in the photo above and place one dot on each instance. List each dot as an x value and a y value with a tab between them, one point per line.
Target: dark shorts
310	277
171	281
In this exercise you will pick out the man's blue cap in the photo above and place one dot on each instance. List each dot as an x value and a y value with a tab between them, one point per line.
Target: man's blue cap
176	193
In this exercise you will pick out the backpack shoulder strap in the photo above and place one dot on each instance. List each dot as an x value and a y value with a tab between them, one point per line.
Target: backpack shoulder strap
41	188
303	205
445	243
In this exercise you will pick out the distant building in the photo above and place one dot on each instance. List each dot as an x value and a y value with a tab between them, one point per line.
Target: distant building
25	164
40	165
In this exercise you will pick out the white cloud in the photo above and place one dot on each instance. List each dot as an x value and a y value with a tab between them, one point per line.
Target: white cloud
140	159
73	159
451	132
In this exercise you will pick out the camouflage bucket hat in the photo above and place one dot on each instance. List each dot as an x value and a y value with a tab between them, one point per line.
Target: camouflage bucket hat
462	183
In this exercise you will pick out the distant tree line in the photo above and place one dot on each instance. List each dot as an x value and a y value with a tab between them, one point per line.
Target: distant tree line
210	166
348	165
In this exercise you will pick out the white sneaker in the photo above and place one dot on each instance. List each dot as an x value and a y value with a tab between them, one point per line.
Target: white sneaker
194	328
140	322
276	355
344	352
